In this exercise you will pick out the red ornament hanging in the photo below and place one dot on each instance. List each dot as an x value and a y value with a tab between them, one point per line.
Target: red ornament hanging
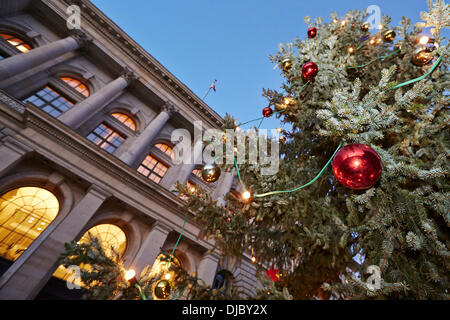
357	166
312	32
267	112
272	274
309	70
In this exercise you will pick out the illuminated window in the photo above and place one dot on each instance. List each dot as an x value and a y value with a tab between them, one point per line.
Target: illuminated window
165	148
126	120
17	43
77	85
153	169
106	138
111	238
24	214
50	101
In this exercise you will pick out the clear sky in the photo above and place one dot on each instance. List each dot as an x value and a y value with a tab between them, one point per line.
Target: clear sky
230	40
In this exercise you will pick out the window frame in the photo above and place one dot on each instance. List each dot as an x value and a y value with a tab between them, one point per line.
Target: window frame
158	159
114	129
61	94
121	126
73	89
8	48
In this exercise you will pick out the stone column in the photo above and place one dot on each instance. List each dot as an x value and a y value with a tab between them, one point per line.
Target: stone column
24	61
223	187
143	141
151	247
80	112
207	268
11	153
29	274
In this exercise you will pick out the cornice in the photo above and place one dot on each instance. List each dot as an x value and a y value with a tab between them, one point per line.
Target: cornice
131	48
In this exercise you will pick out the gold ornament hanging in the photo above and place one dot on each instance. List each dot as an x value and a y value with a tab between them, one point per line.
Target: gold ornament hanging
365	27
422	56
389	35
286	65
162	290
211	172
283	139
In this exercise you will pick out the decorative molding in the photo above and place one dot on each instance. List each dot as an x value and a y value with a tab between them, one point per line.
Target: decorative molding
83	40
11	102
129	75
170	108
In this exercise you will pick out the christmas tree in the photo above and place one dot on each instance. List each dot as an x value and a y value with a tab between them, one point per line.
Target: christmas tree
345	236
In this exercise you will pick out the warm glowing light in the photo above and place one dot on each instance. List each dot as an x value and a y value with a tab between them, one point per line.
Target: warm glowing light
343	22
279	130
246	195
130	274
424	40
380	26
378	40
168	276
372	41
335	20
351	50
253	259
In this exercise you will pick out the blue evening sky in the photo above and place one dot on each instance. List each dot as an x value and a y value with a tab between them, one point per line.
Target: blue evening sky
230	40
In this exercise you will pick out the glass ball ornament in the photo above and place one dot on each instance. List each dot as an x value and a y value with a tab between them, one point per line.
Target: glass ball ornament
286	65
282	139
162	290
312	32
365	27
357	166
309	70
422	56
211	172
267	112
389	35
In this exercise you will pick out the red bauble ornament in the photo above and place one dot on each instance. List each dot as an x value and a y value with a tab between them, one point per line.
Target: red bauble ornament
267	112
272	274
357	166
309	70
312	32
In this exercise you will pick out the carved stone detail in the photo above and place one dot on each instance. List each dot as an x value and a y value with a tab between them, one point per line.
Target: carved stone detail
170	108
129	75
81	37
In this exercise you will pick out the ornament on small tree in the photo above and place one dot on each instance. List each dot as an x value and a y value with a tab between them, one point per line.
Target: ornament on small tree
389	36
286	65
267	112
309	70
312	32
365	27
283	139
162	290
357	166
423	56
272	274
211	172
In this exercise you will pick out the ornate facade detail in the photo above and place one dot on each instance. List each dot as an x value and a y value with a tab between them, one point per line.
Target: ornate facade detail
129	75
13	103
81	37
170	108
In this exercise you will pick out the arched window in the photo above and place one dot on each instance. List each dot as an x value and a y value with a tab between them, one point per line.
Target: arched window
153	169
24	214
106	138
50	101
165	148
223	279
126	120
77	85
111	237
17	43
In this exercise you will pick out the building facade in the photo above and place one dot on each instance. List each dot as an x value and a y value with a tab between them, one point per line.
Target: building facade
86	117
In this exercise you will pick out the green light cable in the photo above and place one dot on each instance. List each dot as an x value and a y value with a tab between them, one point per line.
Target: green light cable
375	59
179	238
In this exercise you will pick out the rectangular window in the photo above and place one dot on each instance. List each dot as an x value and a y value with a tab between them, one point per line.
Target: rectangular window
153	169
106	138
50	101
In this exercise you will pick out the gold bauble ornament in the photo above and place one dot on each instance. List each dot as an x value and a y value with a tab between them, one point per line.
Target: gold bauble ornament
283	139
211	172
389	35
422	56
365	27
286	65
162	290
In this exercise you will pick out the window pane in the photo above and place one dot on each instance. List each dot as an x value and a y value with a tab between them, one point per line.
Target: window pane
164	148
24	214
106	138
77	85
126	120
50	101
19	44
153	169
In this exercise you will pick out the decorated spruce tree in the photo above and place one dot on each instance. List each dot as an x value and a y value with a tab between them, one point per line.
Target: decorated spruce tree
383	202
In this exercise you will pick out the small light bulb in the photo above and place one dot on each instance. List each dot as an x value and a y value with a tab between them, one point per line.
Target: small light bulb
235	149
424	40
351	49
335	20
372	41
246	195
130	274
343	22
380	26
253	259
379	40
168	276
279	130
238	128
